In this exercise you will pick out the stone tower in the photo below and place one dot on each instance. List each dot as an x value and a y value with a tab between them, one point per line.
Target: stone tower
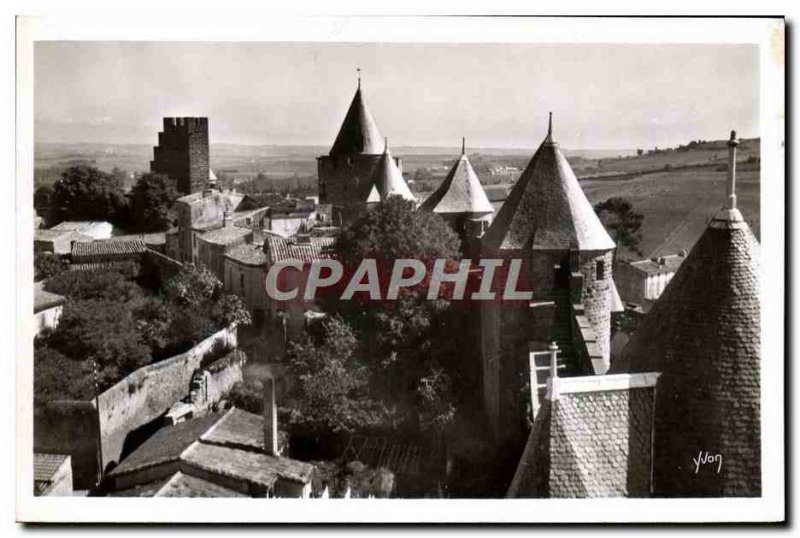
346	174
704	336
566	253
461	200
182	153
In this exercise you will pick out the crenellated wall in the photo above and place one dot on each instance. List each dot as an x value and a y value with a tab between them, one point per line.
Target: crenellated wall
182	153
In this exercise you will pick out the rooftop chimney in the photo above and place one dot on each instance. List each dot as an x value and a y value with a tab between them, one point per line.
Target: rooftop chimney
270	418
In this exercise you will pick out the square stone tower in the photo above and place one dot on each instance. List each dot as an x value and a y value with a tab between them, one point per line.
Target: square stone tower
182	153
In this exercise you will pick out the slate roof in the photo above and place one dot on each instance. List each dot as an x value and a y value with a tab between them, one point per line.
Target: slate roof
359	133
278	248
107	248
388	179
547	209
704	335
226	235
460	192
593	440
248	254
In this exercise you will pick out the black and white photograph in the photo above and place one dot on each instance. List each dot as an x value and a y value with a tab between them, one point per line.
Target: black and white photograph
394	270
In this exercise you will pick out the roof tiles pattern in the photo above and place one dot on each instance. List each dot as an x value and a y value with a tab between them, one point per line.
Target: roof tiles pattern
359	133
547	209
104	248
278	248
703	334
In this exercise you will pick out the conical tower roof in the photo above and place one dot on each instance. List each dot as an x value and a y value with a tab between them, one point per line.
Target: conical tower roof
389	180
460	192
547	209
359	133
703	335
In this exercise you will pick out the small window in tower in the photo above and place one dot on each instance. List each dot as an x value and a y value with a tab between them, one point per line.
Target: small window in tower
601	270
241	280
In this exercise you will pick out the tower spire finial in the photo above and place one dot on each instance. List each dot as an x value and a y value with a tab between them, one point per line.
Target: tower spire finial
550	126
358	70
731	183
463	145
385	144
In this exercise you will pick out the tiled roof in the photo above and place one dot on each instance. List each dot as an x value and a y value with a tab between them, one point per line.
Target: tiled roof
253	467
157	238
460	192
226	235
388	179
600	444
547	209
649	266
42	300
704	335
228	446
166	444
98	266
104	248
280	248
359	133
248	254
46	465
185	485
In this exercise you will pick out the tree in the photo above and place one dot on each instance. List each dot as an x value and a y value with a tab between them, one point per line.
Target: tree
109	285
102	331
151	198
624	224
193	286
47	265
86	193
58	377
42	197
406	339
331	383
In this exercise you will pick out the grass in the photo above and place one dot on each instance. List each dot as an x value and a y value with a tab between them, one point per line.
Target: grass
677	204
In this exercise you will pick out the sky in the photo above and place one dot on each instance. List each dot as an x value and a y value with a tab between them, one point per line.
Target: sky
602	96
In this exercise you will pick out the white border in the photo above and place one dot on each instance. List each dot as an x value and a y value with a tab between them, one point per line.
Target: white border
177	25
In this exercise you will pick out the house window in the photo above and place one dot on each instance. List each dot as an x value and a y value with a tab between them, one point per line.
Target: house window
600	270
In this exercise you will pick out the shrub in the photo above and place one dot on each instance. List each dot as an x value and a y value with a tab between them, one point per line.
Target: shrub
47	265
57	377
110	285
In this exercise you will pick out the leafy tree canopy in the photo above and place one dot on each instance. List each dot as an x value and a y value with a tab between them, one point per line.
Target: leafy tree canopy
86	193
151	198
622	222
331	383
46	265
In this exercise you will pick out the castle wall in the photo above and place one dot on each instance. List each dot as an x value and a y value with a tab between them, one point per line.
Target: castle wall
70	427
596	296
